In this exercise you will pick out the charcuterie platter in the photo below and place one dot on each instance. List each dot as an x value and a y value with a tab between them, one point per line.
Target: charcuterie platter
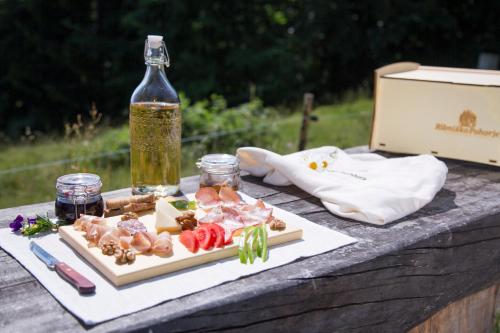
164	248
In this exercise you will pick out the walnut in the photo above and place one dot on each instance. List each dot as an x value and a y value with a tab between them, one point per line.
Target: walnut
124	256
109	248
277	224
187	220
129	216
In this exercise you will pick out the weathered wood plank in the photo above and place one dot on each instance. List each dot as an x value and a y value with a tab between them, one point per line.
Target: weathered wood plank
11	272
28	307
474	313
390	294
395	277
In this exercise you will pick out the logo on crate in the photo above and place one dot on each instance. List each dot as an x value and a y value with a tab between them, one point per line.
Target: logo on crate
467	125
468	119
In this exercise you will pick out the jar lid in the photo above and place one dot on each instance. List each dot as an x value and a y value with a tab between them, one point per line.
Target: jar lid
79	184
219	163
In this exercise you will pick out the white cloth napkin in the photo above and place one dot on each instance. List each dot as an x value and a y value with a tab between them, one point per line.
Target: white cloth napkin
110	302
364	187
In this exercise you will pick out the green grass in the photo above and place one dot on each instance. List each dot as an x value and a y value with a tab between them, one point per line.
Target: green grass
344	125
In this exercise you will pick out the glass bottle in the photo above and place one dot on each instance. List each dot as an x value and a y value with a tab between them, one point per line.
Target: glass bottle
155	127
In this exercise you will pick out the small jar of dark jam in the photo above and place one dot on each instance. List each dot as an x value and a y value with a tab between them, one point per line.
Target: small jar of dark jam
78	193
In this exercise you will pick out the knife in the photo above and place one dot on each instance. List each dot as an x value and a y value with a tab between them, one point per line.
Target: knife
77	280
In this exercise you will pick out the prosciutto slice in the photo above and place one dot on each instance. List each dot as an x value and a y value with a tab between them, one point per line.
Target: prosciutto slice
114	234
143	241
207	198
125	242
94	232
214	215
228	210
84	222
232	215
256	215
163	244
228	196
97	233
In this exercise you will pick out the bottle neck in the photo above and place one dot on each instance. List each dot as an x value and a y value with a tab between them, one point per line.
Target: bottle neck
155	59
155	69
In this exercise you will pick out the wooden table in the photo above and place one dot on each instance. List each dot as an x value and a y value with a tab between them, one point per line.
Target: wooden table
395	277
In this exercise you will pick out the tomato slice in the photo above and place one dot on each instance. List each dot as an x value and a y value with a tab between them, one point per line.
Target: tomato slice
188	239
218	234
204	236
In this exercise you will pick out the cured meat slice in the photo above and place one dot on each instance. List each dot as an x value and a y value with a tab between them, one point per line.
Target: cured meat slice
229	230
141	242
79	223
232	221
152	237
232	216
253	215
84	221
125	242
228	196
163	244
231	213
113	234
213	216
207	198
94	233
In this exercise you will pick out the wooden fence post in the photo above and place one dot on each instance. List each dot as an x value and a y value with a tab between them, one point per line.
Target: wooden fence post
306	117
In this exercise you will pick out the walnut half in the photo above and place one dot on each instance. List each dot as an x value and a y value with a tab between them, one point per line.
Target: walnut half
187	221
277	224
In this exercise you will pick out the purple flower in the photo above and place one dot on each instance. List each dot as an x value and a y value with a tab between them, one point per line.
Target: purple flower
31	220
17	224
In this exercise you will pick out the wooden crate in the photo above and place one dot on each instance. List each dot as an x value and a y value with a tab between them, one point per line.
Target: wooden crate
447	112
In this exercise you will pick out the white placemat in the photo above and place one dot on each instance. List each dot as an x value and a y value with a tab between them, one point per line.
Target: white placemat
137	296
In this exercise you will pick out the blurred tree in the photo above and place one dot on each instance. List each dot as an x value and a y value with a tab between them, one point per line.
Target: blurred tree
59	56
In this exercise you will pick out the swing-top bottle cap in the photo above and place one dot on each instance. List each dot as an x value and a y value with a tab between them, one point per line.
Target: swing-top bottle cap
155	51
155	41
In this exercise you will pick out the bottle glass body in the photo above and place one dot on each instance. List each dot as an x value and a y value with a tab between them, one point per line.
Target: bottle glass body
155	133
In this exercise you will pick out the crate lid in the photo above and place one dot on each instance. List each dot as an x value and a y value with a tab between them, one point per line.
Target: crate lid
450	75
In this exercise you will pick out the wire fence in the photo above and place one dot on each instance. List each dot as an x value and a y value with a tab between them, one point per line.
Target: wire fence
110	154
190	139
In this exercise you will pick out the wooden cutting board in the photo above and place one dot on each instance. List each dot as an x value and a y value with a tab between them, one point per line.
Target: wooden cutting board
148	266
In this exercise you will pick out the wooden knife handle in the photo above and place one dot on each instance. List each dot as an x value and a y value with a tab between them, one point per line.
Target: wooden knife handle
78	281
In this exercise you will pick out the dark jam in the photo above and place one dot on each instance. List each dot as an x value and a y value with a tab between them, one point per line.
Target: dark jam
69	212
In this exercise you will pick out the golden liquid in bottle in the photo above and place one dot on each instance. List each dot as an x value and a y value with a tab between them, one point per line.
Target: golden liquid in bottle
155	148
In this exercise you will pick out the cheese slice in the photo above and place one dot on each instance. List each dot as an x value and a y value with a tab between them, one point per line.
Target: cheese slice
165	217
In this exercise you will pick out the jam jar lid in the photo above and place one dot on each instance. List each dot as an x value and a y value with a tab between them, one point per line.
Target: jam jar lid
79	185
219	163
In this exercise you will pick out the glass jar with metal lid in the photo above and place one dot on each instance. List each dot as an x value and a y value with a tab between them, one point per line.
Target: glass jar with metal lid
78	193
218	170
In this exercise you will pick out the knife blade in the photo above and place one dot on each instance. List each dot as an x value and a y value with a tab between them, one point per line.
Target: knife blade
81	283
